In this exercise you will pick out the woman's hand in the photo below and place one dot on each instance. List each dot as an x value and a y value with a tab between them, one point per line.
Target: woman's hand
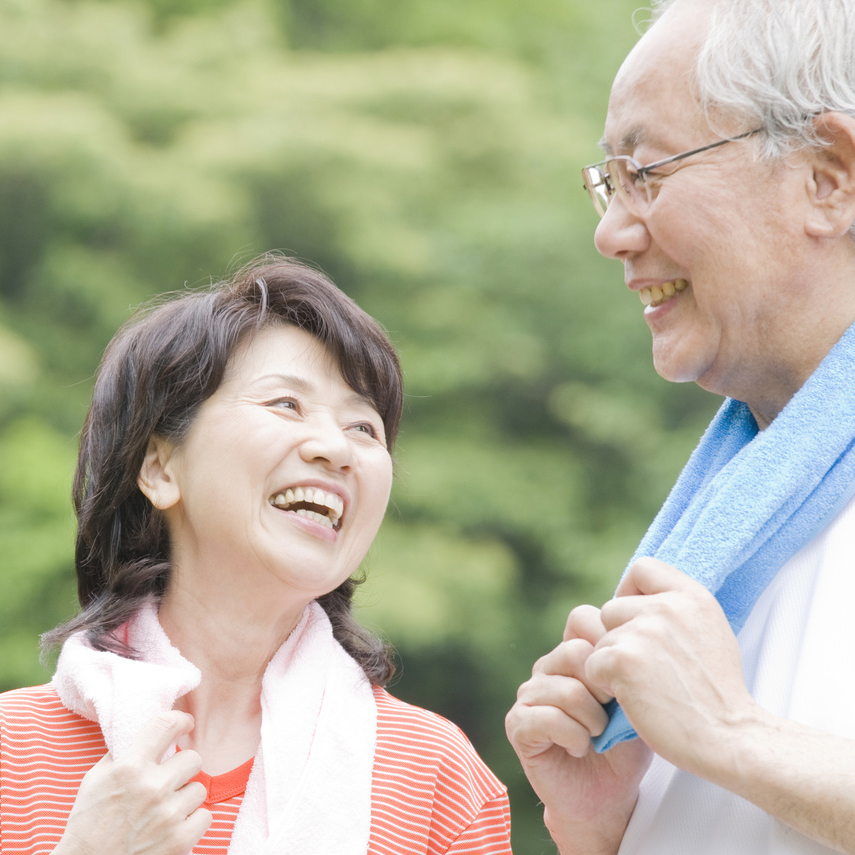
138	805
588	797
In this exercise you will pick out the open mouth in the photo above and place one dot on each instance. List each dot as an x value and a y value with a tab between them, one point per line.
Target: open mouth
655	295
313	503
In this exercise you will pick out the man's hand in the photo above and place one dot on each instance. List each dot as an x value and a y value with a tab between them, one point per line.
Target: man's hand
671	659
588	797
138	805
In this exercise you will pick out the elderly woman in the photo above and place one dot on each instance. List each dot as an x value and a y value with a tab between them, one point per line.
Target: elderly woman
727	192
215	694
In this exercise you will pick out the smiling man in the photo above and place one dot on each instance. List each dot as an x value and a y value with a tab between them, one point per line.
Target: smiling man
710	706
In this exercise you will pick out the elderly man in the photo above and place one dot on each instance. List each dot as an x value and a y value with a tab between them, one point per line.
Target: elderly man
728	193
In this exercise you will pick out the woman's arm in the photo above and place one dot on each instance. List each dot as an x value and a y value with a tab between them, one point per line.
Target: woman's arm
489	833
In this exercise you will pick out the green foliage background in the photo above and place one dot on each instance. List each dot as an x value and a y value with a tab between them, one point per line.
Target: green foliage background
426	155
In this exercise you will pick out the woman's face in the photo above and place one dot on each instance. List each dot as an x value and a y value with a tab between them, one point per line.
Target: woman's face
282	481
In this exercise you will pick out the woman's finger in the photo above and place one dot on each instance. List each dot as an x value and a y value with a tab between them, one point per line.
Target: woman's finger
160	734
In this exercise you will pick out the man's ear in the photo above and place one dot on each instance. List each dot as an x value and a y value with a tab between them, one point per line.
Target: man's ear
832	184
156	478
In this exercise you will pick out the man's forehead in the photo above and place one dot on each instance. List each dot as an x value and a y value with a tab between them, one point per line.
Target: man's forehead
644	111
653	89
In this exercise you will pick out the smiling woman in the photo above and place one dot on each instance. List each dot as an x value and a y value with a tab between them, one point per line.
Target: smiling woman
234	469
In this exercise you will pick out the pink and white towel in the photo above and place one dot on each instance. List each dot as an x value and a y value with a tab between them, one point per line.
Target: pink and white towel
309	792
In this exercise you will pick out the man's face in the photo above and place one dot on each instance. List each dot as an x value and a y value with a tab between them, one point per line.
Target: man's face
723	222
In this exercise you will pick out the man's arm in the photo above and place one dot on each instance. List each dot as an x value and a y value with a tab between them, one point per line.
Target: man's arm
672	661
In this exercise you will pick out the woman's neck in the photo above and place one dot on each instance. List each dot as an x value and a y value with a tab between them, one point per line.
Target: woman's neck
232	648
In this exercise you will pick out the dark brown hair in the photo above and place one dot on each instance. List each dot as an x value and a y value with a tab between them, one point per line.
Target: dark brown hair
155	374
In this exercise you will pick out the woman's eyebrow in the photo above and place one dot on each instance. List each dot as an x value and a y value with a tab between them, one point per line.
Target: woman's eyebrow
301	384
292	380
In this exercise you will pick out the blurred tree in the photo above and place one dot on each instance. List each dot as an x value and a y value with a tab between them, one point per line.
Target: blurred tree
425	155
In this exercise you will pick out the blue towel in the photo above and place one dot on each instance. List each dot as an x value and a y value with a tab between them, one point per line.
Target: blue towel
748	500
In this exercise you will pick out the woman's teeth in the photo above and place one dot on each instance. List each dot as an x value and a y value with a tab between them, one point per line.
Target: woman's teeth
657	294
310	502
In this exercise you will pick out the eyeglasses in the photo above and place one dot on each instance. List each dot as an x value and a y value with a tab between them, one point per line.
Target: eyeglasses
625	176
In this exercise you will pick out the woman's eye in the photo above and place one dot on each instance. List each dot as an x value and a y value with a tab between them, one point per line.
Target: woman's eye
365	427
285	404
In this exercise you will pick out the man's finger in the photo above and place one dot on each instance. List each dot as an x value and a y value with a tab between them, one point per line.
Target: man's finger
566	661
652	576
584	622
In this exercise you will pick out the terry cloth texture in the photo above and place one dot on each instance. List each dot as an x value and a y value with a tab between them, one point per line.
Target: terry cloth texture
318	729
747	501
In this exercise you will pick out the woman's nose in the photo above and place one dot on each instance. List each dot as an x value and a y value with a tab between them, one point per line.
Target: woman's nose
327	443
620	233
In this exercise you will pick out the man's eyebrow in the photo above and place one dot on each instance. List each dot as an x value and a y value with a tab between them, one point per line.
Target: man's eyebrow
627	142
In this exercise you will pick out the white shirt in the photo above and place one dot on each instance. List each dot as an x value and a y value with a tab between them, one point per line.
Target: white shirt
792	645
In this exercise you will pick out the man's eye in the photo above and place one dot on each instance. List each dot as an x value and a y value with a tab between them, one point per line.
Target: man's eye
634	177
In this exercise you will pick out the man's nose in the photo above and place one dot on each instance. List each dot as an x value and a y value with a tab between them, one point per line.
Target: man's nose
620	233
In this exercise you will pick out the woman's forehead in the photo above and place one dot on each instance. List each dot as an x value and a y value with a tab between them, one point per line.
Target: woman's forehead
283	350
287	356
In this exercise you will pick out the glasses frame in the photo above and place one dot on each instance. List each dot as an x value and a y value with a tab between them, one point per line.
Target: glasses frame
603	200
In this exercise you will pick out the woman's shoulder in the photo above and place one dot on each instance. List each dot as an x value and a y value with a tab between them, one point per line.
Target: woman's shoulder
36	713
394	713
431	792
424	744
30	699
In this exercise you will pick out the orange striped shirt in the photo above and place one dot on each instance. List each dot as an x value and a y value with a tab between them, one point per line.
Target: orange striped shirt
430	793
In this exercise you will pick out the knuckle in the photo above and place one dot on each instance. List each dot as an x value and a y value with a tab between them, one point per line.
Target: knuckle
152	793
609	612
164	722
128	767
574	653
539	665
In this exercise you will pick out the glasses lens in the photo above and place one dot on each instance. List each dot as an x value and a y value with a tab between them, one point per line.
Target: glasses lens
598	187
633	188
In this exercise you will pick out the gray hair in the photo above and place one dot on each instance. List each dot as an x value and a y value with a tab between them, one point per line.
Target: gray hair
778	64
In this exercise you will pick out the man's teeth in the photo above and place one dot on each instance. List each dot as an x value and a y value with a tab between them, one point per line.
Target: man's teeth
319	499
656	294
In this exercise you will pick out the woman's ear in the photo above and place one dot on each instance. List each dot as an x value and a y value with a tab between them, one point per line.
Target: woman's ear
156	478
832	185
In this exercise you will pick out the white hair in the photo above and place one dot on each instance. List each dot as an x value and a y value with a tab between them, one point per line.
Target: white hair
778	64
